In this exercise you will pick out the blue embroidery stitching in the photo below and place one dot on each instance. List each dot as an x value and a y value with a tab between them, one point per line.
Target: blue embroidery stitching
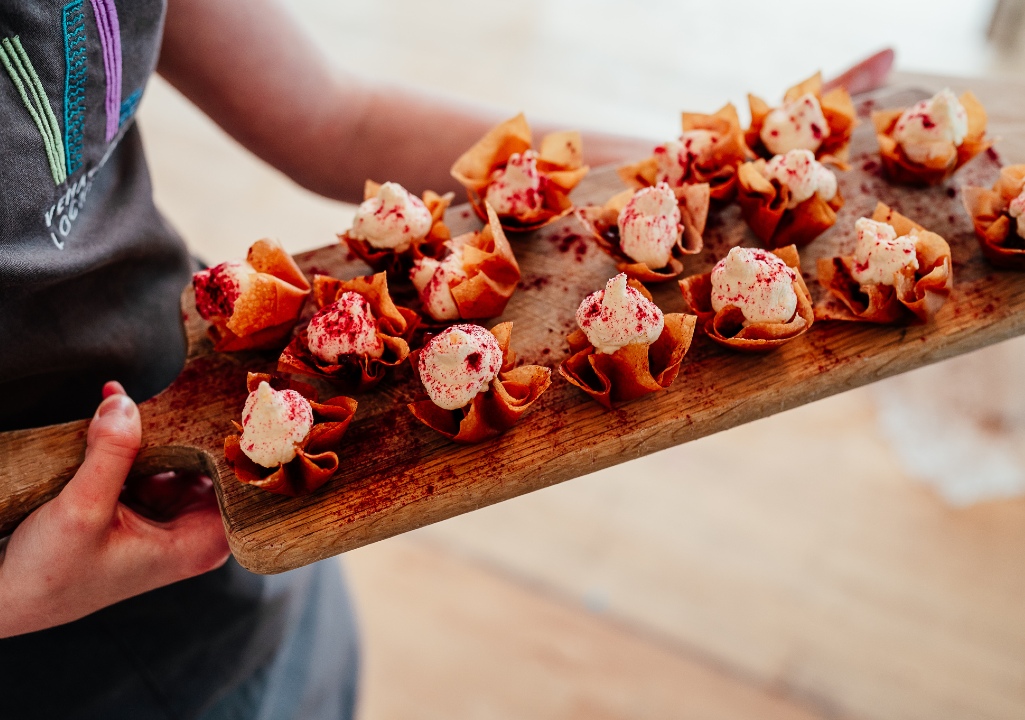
75	59
129	106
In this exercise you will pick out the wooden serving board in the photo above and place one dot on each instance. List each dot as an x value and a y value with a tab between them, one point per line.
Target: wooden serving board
396	475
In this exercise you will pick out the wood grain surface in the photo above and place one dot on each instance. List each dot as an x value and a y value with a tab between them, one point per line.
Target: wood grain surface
397	475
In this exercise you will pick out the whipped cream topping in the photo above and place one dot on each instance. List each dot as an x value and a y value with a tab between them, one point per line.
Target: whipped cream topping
795	125
433	280
928	128
345	327
805	176
392	219
516	189
676	157
1017	210
458	363
758	283
618	316
274	423
880	254
218	288
649	225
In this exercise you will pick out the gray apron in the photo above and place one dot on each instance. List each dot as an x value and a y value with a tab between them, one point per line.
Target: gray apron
90	276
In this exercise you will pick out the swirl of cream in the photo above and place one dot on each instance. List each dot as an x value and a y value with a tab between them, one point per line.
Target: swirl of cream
649	225
618	316
757	282
345	327
880	255
676	157
458	363
392	219
795	125
929	128
515	190
274	424
218	288
805	176
433	280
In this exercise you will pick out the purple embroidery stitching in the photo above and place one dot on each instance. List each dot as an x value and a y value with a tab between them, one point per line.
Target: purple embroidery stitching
110	42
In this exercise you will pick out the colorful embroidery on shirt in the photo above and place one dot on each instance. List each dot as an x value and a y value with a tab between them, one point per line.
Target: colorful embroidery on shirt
75	62
18	66
129	106
110	42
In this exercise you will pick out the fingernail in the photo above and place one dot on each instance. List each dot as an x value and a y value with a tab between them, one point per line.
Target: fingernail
113	387
117	404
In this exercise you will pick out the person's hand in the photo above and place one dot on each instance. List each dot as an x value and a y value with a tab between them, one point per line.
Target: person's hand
85	550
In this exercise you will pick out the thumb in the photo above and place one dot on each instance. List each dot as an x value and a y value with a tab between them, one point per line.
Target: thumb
115	433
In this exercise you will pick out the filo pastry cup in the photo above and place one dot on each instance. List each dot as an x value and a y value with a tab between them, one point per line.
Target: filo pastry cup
493	410
489	274
902	169
559	163
634	370
266	311
718	167
316	459
995	229
763	205
355	373
397	263
727	326
603	223
916	295
837	108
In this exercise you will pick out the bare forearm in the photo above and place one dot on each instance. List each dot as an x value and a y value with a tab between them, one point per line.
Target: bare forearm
252	70
412	138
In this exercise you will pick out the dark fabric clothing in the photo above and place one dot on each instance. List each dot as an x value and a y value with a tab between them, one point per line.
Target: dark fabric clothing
160	655
90	280
89	271
303	680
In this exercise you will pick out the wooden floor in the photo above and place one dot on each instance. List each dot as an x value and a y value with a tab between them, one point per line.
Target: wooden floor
785	569
788	557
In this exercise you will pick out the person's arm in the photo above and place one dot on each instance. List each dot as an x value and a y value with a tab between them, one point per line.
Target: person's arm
253	71
85	550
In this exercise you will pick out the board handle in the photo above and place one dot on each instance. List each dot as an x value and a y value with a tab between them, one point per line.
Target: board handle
36	464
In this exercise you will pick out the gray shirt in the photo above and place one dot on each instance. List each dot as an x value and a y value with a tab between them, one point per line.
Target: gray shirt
90	278
90	273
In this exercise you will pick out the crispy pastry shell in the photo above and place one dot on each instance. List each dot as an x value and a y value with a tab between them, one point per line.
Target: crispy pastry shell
995	229
763	204
397	264
902	169
603	223
492	411
314	462
632	371
266	312
837	108
719	170
395	326
916	294
491	269
726	326
560	164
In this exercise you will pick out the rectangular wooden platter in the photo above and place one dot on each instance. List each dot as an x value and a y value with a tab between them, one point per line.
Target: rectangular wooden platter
396	474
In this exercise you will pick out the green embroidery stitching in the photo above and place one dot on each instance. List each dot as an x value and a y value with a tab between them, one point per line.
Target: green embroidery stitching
40	93
18	66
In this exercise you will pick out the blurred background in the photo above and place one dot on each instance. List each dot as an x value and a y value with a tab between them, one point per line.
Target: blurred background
717	579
